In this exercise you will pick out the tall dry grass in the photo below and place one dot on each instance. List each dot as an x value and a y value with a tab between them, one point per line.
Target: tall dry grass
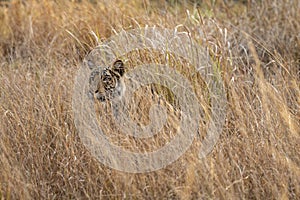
256	45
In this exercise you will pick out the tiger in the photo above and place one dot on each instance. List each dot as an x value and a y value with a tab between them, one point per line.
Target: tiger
123	115
107	83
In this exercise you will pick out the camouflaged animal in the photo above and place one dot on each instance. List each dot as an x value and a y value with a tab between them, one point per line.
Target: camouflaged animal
107	83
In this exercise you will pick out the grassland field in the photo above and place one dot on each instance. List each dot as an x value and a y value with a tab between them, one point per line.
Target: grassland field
256	46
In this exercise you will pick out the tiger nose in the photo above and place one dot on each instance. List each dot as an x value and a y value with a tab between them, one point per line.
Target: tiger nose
101	98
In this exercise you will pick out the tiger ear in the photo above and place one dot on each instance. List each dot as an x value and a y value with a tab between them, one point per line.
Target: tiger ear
118	66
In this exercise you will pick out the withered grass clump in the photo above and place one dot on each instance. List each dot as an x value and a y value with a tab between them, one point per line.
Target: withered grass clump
255	45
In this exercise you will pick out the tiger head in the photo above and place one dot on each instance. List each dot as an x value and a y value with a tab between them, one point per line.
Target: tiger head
107	83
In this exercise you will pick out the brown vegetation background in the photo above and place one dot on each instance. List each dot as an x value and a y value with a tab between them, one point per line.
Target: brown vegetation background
256	45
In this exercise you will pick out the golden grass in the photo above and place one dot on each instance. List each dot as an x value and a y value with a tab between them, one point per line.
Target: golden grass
255	45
